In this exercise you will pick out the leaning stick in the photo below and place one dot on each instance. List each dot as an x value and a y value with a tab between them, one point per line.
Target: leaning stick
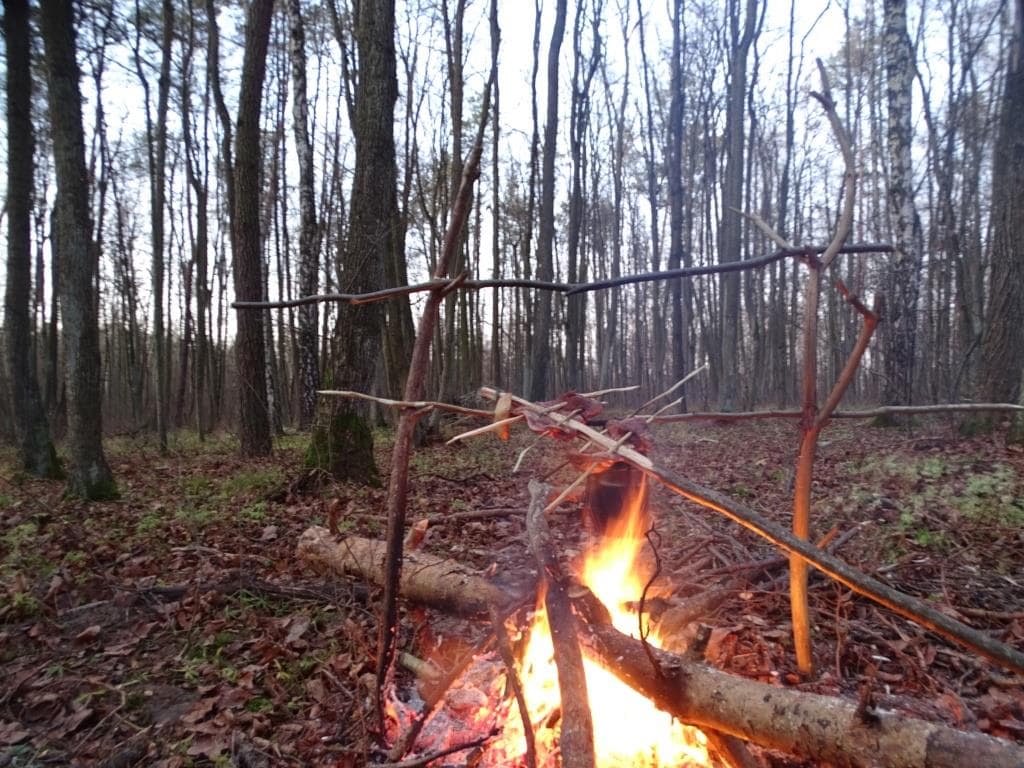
504	647
577	733
904	605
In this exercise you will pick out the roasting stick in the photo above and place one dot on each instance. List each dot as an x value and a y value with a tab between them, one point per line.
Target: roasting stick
909	607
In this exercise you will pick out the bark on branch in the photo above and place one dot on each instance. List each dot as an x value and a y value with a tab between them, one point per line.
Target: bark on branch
426	579
821	728
569	289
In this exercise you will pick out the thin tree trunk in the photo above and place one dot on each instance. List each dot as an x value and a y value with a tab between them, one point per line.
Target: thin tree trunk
309	257
540	361
37	452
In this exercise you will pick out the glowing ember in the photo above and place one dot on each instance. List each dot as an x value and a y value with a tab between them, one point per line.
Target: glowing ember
628	729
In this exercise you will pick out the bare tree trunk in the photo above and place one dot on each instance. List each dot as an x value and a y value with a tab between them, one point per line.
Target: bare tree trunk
254	428
198	179
540	360
309	257
732	196
1002	346
89	475
345	444
37	452
579	121
901	326
677	106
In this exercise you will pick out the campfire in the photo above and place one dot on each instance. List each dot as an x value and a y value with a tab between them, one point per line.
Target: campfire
487	707
628	729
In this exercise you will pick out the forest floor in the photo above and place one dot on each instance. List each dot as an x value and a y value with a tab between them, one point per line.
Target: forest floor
176	627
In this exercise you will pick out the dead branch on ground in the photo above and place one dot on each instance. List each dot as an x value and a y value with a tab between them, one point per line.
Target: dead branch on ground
425	578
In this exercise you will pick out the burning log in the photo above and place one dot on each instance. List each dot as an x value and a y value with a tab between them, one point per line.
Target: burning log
426	579
822	728
577	734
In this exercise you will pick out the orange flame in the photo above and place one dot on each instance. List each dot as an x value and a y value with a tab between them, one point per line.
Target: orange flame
628	729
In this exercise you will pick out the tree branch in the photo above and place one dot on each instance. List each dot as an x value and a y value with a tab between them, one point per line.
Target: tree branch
568	289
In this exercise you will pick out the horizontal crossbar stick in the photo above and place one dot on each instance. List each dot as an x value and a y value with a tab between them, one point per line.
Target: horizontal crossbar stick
568	289
888	410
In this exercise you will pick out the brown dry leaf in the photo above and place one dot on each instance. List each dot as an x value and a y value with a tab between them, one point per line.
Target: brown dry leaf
503	410
209	745
297	628
315	689
200	710
123	648
12	733
88	634
72	722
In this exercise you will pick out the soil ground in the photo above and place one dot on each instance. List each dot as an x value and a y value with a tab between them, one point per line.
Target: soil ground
175	626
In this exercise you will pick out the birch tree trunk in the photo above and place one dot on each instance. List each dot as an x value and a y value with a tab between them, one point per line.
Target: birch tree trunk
900	329
309	260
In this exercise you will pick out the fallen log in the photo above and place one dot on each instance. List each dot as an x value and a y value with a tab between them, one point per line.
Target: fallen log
426	579
822	728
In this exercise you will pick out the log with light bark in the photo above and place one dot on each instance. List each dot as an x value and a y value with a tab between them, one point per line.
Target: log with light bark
426	579
821	728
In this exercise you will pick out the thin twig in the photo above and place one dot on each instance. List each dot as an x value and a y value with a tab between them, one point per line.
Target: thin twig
671	389
505	651
871	413
652	532
411	404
